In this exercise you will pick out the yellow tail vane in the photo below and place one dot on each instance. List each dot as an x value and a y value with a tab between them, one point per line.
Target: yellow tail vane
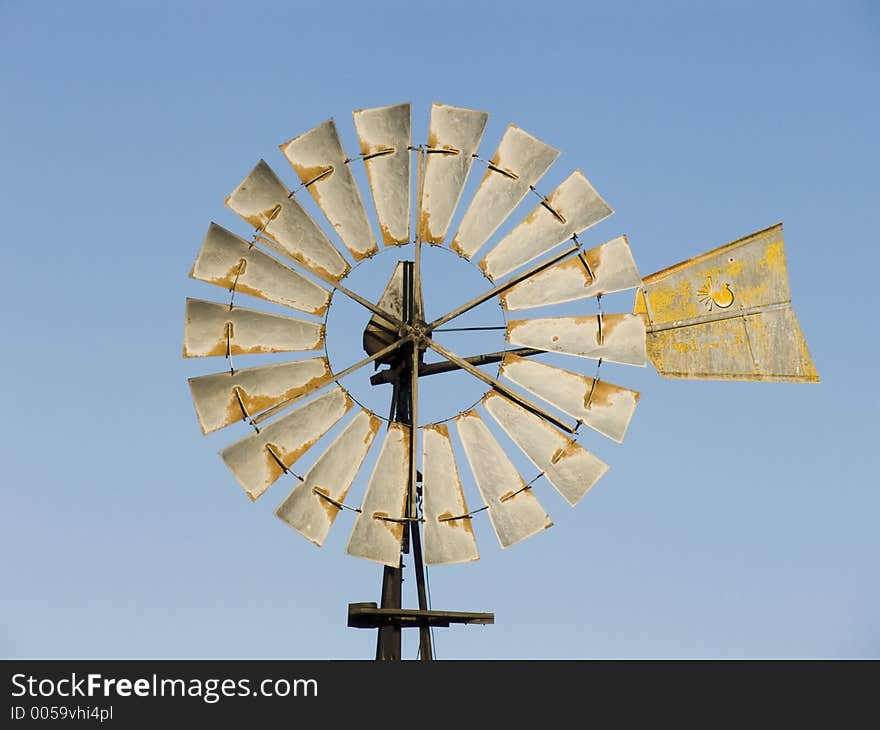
726	315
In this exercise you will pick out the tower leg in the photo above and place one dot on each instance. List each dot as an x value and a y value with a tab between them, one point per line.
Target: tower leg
388	642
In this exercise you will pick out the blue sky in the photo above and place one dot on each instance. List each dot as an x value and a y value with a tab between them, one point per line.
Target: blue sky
737	520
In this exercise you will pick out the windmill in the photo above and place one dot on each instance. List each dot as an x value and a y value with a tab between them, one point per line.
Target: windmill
725	314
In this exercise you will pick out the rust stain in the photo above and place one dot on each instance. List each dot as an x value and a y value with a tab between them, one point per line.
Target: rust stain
287	457
375	425
569	449
307	173
215	351
605	394
365	254
425	228
395	528
461	523
331	509
533	215
388	238
611	322
259	402
594	261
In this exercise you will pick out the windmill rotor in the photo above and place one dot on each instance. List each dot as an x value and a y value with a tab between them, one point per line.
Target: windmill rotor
725	314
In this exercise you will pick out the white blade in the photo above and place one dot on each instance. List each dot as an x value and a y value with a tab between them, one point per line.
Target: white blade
568	466
253	459
229	261
220	398
579	206
374	538
604	407
601	270
385	135
264	202
621	338
523	160
514	510
446	541
210	328
320	161
304	509
453	139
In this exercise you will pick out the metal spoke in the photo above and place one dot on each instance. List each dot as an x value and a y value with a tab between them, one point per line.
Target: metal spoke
358	298
269	412
498	289
369	305
500	387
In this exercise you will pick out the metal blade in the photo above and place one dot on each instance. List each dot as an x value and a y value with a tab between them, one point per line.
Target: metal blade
305	509
373	537
568	466
214	329
519	162
727	315
446	540
514	510
453	139
256	460
573	207
322	165
604	407
386	137
613	337
264	202
231	262
224	398
764	345
601	270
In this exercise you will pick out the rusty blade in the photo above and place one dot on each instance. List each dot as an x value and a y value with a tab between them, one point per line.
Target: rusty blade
602	406
519	162
212	329
231	262
446	540
613	337
514	510
573	207
386	137
453	138
256	460
224	398
726	315
322	165
264	202
601	270
378	530
569	467
312	505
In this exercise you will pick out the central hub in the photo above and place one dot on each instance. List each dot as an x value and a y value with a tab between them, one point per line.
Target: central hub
447	280
419	331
